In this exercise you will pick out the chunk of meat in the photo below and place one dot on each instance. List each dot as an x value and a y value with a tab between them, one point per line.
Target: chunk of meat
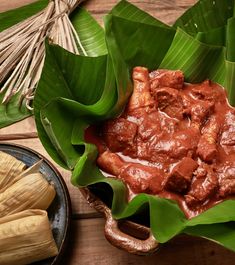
207	146
204	185
167	124
227	187
184	143
181	176
110	163
228	130
169	146
202	91
142	178
227	181
169	101
200	111
166	78
149	127
119	135
141	97
206	150
208	91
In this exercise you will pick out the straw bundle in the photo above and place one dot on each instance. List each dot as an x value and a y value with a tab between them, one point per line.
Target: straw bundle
22	48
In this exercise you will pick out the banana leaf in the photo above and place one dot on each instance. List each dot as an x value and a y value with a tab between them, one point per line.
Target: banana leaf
90	33
206	15
75	85
12	17
66	103
129	11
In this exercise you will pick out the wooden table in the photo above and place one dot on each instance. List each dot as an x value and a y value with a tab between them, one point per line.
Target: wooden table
87	242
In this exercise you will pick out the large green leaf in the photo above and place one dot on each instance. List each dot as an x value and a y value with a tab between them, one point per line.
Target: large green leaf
12	17
206	15
137	41
223	233
128	11
90	33
64	110
192	56
65	79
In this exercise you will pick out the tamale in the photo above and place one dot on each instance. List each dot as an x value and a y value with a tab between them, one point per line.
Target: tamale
33	169
26	237
10	168
31	192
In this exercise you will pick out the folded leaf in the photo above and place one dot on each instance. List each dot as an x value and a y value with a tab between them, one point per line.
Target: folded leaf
90	33
205	15
61	82
128	11
192	57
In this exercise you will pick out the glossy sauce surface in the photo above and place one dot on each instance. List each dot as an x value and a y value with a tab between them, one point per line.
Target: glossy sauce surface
173	140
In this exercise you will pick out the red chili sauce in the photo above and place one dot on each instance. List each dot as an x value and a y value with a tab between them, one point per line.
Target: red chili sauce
174	140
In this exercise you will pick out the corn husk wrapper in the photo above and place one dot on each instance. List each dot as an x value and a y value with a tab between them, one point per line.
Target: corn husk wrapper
10	170
26	237
30	192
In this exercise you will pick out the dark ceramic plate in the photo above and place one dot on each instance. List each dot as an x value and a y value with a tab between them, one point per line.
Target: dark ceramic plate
60	210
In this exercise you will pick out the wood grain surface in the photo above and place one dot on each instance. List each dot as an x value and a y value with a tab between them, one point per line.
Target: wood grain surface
88	245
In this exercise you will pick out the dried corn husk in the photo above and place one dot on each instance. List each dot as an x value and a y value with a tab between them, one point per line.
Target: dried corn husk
10	169
31	192
26	237
13	179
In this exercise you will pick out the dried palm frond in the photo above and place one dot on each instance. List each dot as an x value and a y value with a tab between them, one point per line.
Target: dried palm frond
22	48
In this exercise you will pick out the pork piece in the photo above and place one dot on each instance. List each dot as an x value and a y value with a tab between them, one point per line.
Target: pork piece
184	143
141	97
142	178
110	163
154	125
202	91
181	176
200	111
169	125
204	186
119	135
149	127
207	146
228	130
227	181
166	78
208	91
169	101
169	147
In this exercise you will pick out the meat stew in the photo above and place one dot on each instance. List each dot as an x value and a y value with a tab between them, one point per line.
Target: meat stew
174	140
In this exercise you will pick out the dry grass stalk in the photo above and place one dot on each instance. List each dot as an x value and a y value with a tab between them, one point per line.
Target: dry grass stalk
22	48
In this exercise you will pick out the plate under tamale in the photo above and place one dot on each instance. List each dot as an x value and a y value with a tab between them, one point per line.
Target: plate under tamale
60	210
